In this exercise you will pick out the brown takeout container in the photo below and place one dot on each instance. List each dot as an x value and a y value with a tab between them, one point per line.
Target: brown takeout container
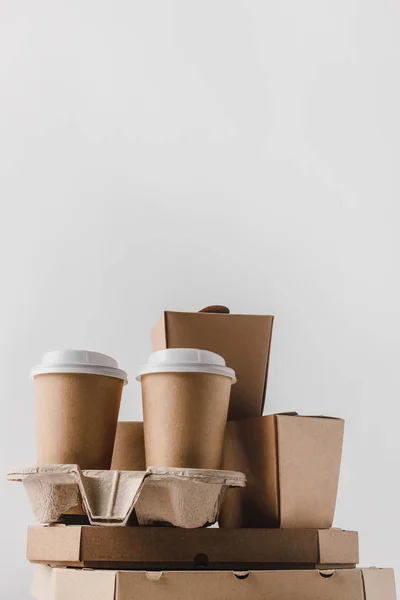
128	454
292	466
80	584
242	340
211	548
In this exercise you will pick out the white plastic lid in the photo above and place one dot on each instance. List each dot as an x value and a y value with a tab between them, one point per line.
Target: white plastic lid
79	361
186	360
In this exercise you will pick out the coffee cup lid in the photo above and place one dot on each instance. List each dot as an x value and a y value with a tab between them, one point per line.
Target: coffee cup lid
186	360
79	361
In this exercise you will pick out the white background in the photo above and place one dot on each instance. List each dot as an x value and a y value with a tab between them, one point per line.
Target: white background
177	154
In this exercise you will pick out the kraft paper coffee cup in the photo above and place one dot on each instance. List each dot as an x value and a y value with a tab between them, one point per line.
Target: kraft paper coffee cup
185	395
77	399
128	452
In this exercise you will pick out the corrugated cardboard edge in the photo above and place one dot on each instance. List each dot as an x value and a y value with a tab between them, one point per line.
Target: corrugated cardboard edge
379	584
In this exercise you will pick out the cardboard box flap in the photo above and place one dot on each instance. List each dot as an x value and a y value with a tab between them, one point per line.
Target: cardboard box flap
379	584
242	340
72	584
297	481
292	466
181	497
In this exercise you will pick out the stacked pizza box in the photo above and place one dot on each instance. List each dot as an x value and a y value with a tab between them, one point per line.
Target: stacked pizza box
126	508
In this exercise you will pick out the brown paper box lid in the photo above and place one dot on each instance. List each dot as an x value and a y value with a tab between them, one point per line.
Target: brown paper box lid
356	584
212	547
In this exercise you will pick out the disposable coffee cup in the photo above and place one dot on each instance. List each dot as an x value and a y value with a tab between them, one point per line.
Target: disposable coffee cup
77	399
128	452
185	394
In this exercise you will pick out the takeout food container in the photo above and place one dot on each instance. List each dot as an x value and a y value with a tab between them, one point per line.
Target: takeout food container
242	340
187	498
292	466
352	584
128	454
207	548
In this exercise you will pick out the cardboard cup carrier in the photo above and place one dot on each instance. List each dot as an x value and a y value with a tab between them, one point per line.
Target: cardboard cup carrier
186	498
77	399
185	395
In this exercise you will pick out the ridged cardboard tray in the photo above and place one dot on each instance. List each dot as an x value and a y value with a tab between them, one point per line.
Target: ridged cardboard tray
187	498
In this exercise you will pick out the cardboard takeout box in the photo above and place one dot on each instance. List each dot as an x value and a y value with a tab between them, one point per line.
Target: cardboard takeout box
171	548
292	466
73	584
242	340
128	454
